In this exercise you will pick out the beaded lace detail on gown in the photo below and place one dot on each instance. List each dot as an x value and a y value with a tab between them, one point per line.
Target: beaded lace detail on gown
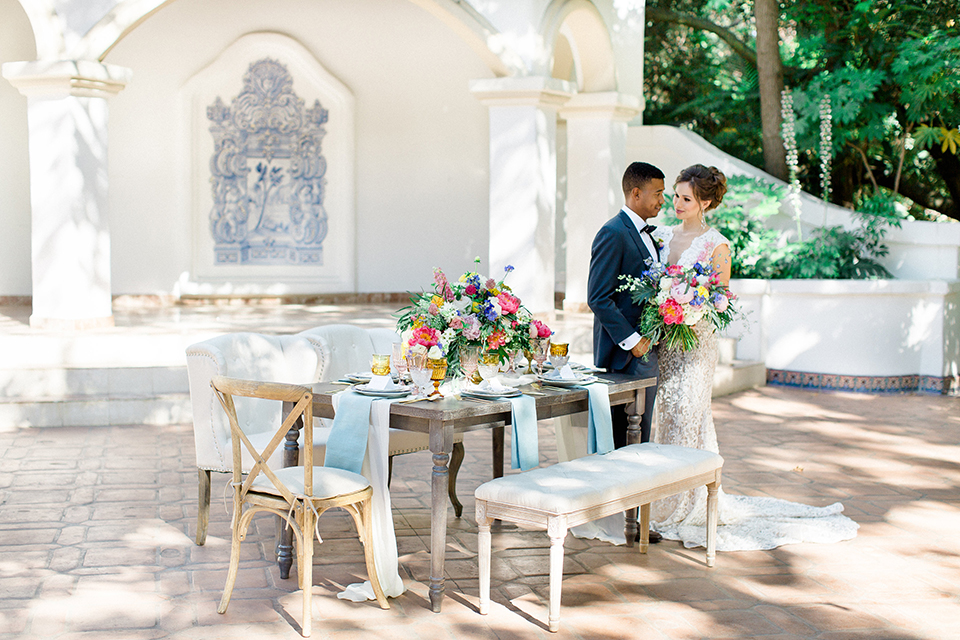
684	418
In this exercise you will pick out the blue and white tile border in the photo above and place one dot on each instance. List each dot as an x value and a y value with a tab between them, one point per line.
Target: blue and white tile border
863	384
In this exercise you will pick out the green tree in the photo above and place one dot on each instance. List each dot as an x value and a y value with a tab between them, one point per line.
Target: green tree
892	71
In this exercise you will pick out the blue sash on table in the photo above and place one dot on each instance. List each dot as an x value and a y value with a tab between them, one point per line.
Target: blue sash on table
600	425
524	449
347	443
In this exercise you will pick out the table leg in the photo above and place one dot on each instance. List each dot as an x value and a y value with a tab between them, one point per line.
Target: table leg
496	438
441	443
291	456
634	411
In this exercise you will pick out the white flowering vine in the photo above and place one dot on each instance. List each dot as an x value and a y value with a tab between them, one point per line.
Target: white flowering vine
789	135
826	147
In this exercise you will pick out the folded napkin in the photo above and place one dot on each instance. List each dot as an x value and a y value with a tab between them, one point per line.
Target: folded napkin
524	449
494	385
381	383
566	373
599	425
348	437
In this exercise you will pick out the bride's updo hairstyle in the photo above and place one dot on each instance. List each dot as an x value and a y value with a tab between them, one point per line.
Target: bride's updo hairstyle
707	183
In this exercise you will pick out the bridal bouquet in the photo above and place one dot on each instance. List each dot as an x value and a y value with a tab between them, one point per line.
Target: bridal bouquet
473	311
678	298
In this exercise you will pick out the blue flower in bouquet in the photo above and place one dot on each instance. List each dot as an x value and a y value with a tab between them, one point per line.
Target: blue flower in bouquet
490	309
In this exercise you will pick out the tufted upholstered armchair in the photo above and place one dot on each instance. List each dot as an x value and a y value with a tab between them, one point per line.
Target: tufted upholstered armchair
249	356
347	349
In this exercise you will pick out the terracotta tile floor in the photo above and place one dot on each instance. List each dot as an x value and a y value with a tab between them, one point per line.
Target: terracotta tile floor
97	523
96	529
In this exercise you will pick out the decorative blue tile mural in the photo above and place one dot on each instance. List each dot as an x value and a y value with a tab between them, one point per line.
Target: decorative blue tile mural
268	173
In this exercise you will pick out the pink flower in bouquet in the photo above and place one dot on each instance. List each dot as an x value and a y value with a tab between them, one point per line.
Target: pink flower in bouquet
496	339
456	322
671	312
448	294
470	290
433	309
425	336
539	330
508	303
681	293
721	304
714	278
471	328
674	270
439	278
490	284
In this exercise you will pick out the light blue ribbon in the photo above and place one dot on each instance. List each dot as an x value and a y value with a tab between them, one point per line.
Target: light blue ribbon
600	425
524	449
347	443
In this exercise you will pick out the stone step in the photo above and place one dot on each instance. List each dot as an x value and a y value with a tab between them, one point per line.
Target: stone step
738	375
53	383
90	411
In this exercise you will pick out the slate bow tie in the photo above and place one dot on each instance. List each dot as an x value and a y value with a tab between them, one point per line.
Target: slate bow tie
648	229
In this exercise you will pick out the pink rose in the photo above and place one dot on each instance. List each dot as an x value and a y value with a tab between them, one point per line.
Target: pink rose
470	290
722	304
671	312
508	303
490	284
674	270
681	293
433	309
456	322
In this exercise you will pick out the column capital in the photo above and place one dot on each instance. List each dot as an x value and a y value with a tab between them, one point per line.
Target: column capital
619	107
62	78
532	91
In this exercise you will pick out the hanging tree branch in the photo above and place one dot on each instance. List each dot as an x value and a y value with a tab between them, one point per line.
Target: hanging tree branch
741	49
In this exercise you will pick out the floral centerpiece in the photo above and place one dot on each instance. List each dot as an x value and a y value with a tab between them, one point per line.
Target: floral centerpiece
473	311
678	298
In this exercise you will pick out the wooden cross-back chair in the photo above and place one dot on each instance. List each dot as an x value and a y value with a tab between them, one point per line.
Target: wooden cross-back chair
297	494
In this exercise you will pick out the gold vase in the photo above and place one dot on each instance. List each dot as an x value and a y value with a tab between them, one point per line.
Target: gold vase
438	371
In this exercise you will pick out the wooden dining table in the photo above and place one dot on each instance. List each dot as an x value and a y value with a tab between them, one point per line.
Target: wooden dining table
443	418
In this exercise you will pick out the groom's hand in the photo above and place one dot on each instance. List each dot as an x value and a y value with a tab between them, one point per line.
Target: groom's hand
641	348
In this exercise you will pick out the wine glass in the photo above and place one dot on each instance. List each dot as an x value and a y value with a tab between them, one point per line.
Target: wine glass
399	362
558	355
419	372
540	348
469	361
489	366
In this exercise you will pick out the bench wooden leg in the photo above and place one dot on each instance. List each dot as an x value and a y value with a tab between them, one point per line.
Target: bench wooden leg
712	516
557	530
483	551
644	527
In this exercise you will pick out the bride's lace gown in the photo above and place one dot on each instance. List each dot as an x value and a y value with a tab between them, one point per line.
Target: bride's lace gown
684	418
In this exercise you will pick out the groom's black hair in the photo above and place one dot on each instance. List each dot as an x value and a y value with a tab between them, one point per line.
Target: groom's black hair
639	174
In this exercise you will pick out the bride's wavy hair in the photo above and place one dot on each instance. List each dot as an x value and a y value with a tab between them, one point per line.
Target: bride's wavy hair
707	183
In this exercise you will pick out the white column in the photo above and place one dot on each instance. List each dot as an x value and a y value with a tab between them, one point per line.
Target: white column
596	158
67	118
523	182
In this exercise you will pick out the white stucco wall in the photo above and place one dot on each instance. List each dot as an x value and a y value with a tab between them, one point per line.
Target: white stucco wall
421	137
858	328
16	44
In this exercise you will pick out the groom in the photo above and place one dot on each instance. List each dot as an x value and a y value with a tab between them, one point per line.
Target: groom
622	246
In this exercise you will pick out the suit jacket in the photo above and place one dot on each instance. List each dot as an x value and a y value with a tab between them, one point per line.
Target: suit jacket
617	249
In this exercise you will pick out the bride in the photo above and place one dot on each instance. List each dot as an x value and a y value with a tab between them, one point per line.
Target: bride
683	403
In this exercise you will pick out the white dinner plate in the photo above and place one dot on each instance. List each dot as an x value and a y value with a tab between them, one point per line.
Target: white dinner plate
358	377
382	393
489	393
560	382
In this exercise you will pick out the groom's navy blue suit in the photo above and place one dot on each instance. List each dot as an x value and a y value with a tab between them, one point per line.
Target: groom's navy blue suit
617	249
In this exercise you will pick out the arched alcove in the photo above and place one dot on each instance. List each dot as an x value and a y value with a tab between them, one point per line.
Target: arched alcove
582	52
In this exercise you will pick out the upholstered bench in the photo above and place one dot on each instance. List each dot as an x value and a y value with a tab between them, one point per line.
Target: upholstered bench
571	493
